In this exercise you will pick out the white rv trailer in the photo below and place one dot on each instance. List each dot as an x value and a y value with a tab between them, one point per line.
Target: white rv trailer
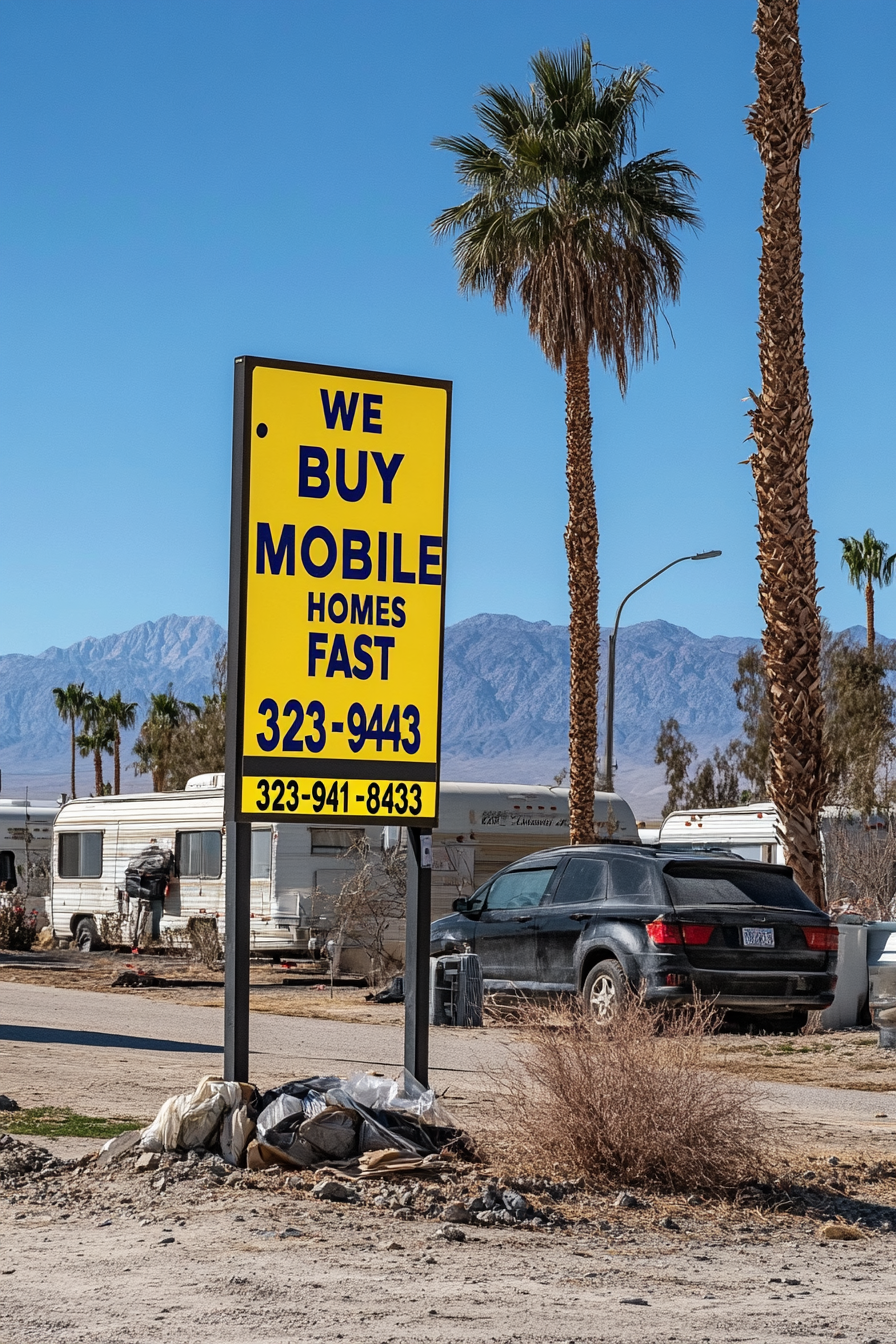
297	868
26	833
751	831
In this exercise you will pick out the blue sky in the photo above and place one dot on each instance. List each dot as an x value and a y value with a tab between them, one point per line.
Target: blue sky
187	181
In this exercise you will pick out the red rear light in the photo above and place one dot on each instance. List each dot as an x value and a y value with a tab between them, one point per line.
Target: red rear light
824	938
661	932
697	934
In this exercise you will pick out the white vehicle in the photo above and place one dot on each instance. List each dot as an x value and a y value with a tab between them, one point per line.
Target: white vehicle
297	868
26	832
752	831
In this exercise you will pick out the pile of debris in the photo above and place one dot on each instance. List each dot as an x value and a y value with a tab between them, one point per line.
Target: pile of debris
361	1125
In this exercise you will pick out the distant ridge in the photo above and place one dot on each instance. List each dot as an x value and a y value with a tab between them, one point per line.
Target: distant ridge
506	699
34	743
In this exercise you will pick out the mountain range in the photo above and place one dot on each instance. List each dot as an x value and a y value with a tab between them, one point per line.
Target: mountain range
505	711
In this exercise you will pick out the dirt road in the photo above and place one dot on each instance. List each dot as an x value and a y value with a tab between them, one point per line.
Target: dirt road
123	1055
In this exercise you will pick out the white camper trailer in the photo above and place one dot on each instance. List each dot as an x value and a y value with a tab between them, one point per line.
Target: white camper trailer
297	868
26	831
752	831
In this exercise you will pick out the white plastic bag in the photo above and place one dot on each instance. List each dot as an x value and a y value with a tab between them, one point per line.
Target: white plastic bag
280	1108
403	1094
188	1120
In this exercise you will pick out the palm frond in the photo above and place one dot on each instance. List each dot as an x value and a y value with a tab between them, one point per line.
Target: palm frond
562	213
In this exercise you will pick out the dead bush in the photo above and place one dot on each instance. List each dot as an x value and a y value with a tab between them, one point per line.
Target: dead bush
629	1103
112	929
204	941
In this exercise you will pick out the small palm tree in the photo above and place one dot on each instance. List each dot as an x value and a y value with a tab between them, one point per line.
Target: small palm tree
560	213
867	563
122	714
154	744
98	737
71	701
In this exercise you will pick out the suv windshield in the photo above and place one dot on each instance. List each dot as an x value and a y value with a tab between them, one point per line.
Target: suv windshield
706	884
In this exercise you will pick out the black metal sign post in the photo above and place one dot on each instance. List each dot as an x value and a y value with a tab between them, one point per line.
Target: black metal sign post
238	834
416	958
336	629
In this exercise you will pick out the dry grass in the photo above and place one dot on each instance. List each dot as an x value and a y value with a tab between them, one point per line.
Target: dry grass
628	1104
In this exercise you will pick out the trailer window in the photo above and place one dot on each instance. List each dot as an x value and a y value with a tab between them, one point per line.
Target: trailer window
199	853
81	854
7	870
334	839
261	854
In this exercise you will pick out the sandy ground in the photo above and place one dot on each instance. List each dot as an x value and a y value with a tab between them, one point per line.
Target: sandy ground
100	1268
265	1262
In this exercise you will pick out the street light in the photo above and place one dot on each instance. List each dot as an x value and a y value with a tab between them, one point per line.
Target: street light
611	662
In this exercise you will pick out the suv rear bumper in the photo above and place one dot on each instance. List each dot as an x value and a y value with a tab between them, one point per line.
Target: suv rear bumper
757	991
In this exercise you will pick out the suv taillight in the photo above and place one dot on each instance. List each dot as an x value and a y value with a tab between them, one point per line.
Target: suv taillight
658	931
823	938
663	933
697	934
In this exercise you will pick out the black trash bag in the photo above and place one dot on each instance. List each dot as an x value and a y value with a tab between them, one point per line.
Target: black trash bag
147	876
393	992
400	1130
308	1090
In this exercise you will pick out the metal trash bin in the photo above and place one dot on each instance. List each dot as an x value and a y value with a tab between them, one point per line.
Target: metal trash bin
455	990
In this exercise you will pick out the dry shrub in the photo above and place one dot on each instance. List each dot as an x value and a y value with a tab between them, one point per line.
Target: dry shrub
112	928
629	1103
204	941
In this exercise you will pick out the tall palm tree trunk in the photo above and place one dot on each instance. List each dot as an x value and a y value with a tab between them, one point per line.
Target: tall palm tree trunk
782	420
98	782
117	762
581	550
869	615
74	795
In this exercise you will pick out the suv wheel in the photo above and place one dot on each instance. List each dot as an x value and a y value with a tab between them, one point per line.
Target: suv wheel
604	989
87	936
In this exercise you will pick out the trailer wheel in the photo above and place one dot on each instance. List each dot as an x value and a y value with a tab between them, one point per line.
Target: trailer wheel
87	936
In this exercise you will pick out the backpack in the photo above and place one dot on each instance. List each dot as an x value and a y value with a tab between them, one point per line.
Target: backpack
147	877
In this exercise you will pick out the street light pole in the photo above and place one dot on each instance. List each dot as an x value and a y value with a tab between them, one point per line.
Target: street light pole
611	660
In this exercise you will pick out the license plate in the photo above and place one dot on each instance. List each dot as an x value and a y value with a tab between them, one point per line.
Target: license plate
758	937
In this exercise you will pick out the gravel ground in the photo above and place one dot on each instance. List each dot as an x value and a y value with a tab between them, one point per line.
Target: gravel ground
94	1254
99	1255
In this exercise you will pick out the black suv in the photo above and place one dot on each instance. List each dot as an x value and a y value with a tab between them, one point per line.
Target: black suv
598	919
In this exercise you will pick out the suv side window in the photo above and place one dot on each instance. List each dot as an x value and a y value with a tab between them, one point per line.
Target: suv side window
516	890
582	880
632	880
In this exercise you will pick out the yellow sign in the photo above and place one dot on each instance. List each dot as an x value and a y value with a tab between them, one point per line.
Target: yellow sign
342	497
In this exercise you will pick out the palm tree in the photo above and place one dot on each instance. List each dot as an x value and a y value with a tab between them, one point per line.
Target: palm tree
868	563
71	701
781	421
153	746
122	714
560	213
98	737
